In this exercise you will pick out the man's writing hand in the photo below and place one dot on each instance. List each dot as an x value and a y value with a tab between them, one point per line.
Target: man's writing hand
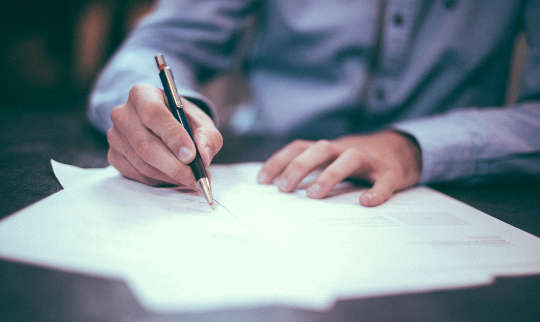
390	160
147	144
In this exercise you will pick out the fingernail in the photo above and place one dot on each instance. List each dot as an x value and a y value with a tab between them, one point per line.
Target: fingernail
314	190
366	197
262	177
185	155
283	184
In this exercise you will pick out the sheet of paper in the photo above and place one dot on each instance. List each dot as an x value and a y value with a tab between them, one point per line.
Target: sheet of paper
260	246
105	224
397	235
70	175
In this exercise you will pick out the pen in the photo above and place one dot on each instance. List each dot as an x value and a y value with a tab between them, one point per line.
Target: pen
177	109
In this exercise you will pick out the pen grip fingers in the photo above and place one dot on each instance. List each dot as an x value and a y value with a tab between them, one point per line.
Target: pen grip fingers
120	145
121	163
149	103
207	137
146	144
209	142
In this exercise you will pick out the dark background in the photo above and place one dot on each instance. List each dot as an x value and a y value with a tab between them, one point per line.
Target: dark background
52	50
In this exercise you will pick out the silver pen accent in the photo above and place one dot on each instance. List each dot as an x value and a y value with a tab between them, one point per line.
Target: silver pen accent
176	108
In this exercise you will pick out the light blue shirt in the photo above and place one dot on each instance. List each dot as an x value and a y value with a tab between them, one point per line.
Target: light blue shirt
436	70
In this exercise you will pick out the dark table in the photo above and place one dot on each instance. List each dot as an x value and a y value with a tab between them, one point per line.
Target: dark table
29	138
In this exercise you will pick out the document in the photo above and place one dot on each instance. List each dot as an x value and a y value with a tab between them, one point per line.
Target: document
259	246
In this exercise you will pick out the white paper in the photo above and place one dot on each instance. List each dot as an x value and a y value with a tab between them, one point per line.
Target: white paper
259	246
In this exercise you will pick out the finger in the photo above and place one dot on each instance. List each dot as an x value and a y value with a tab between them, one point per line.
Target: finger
126	169
349	162
118	143
209	141
150	105
195	115
279	161
318	154
207	137
382	190
149	147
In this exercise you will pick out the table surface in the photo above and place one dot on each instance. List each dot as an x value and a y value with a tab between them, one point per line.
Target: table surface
31	137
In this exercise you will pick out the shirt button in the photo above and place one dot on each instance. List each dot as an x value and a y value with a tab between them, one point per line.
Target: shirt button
380	94
397	19
449	4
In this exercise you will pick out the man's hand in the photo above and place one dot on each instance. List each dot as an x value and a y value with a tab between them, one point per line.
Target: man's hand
147	144
390	160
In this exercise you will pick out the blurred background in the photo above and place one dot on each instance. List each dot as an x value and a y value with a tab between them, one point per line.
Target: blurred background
53	50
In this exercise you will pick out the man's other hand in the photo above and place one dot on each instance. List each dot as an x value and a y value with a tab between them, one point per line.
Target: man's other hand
147	144
390	160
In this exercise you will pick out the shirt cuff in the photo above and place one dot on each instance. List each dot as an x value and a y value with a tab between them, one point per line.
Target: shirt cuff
447	144
201	101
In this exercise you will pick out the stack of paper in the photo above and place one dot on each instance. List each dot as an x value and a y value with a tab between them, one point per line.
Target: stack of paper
259	246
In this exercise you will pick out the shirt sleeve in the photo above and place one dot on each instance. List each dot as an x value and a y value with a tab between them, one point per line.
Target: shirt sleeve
476	143
198	39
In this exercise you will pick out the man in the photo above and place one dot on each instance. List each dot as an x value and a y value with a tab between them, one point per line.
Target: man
394	92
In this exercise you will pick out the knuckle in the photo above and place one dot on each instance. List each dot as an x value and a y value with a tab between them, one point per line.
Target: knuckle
146	170
324	146
298	144
215	141
271	166
330	175
296	167
117	114
354	153
174	135
144	148
150	113
110	158
218	138
110	136
135	91
379	156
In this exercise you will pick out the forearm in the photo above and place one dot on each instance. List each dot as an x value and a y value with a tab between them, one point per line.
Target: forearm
129	67
476	143
198	43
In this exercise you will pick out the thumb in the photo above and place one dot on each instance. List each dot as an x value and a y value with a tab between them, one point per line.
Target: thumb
381	191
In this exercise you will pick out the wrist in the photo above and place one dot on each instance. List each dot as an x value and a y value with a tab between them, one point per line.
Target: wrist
409	151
